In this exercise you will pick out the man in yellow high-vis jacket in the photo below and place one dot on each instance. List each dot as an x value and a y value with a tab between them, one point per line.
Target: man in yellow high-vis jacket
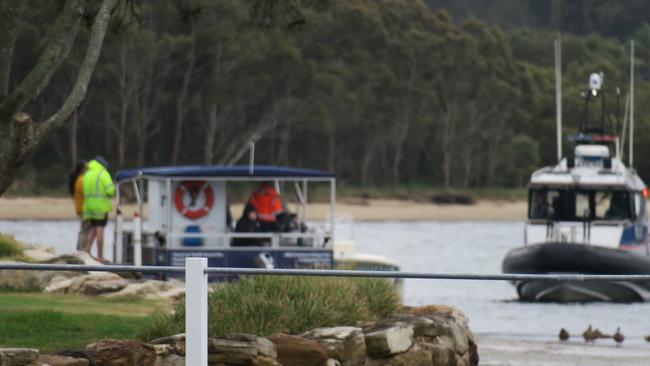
99	191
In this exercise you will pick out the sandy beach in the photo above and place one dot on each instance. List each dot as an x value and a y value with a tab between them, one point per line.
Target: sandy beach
52	208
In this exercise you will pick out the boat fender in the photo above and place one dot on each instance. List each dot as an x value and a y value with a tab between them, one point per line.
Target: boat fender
194	188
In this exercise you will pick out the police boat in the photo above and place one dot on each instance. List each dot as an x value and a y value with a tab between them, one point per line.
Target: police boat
185	211
586	215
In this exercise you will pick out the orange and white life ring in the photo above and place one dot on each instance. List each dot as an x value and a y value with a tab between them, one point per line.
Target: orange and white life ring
194	188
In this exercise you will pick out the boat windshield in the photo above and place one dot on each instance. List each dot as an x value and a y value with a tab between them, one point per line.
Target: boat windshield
580	205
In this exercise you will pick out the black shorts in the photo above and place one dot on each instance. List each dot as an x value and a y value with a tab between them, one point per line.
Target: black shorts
100	222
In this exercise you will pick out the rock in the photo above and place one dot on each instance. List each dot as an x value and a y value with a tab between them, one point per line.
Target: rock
425	327
298	351
442	351
176	293
473	351
388	339
415	356
177	342
333	362
17	356
24	280
242	349
40	254
459	338
65	259
165	356
86	259
458	315
58	284
345	344
101	287
116	352
74	354
96	283
170	360
55	360
143	288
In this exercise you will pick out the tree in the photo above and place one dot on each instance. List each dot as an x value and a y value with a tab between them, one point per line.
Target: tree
20	133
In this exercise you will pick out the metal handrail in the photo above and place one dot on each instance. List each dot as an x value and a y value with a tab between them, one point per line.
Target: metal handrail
327	273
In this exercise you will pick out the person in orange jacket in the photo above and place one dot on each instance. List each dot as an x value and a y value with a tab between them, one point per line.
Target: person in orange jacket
76	190
268	205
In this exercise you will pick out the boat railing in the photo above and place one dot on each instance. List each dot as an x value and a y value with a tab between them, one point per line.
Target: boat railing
319	239
196	272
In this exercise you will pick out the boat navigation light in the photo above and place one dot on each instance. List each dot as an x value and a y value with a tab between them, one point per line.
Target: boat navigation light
646	192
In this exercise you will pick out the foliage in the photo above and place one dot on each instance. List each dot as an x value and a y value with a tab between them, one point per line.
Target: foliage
383	94
266	305
55	322
9	246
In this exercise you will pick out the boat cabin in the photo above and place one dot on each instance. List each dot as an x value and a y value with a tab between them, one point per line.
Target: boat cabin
188	213
589	198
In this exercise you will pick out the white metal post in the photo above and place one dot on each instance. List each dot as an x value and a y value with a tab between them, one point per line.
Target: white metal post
119	232
332	211
558	96
196	312
631	104
137	240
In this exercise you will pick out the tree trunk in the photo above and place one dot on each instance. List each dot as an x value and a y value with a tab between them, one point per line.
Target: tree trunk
210	135
10	15
72	138
400	138
331	147
366	162
181	105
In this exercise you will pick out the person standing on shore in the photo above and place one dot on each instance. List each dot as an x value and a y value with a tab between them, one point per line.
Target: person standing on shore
76	190
99	190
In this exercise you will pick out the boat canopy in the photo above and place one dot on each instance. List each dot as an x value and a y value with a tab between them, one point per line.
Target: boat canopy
222	171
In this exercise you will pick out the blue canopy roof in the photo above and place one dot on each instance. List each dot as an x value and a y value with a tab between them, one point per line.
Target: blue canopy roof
234	171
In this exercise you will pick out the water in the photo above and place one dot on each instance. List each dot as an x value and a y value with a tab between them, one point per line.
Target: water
462	246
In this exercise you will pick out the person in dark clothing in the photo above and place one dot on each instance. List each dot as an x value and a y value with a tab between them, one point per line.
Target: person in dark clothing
248	224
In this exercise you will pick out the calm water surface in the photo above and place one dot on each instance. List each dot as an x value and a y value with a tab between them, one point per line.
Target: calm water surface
461	246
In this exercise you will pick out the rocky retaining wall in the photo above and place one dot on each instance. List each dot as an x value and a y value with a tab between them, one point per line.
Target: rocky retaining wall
430	336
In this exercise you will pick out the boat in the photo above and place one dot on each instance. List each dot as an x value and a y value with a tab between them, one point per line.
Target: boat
189	215
586	215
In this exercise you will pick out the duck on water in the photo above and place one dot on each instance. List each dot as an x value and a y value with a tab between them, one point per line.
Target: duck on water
586	215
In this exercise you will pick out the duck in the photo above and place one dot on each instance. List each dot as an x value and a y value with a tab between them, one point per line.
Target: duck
618	337
564	335
589	335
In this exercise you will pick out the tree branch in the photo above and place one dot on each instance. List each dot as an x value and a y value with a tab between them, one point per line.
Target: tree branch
59	44
86	69
10	14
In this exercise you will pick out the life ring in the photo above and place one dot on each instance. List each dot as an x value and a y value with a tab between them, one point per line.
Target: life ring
194	187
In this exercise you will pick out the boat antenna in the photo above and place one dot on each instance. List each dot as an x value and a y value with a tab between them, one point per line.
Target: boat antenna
558	94
631	103
626	118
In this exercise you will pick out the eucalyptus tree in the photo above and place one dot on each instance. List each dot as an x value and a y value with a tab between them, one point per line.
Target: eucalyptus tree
20	133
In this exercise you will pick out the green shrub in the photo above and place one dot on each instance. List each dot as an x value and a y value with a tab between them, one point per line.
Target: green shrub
9	247
265	305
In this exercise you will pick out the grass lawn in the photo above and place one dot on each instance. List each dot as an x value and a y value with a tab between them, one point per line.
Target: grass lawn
51	322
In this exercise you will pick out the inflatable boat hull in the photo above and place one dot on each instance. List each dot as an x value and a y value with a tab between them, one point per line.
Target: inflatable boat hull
582	259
